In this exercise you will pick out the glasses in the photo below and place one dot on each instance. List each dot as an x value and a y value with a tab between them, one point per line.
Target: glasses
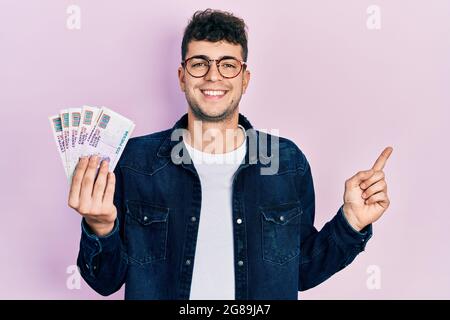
228	67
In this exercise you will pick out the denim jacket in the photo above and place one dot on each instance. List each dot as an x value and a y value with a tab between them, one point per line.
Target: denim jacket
277	249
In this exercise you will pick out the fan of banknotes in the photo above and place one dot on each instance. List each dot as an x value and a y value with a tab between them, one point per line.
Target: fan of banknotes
87	131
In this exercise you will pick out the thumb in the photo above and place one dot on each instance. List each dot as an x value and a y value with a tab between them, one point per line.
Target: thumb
356	180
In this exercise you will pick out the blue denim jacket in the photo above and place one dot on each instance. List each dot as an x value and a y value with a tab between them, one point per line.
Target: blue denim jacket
277	250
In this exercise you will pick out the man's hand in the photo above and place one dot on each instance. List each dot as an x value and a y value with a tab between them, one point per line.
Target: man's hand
365	196
93	198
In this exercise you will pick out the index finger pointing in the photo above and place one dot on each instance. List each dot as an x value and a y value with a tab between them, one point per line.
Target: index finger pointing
381	161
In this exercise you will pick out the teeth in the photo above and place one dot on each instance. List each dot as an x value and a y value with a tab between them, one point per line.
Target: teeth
213	92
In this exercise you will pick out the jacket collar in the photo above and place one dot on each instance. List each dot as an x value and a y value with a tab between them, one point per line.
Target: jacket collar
167	145
164	152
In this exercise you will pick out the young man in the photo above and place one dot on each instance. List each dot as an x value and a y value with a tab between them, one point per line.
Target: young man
180	219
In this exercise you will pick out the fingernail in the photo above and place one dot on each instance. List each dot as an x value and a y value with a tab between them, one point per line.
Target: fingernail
363	185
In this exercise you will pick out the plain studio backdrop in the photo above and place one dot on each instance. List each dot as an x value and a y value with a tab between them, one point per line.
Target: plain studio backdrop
341	79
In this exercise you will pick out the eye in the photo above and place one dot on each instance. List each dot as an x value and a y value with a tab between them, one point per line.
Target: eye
229	65
199	63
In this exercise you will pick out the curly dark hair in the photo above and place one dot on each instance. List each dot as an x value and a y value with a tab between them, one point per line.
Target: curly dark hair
215	25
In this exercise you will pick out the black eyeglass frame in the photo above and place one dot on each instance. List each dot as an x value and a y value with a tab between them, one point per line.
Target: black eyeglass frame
243	65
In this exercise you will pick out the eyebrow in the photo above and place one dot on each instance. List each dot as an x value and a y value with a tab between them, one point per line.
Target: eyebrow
208	58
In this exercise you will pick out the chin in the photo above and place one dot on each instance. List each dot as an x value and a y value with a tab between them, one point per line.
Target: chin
206	115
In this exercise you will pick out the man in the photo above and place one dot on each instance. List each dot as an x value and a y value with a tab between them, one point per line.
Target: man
193	214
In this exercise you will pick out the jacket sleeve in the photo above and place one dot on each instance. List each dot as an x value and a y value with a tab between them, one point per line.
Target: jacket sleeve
324	252
102	260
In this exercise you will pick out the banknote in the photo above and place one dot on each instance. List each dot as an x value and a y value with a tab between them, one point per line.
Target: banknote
74	124
89	117
65	126
82	122
89	130
109	137
58	135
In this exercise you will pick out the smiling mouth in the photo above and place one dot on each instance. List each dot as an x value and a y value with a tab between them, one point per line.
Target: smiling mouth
214	94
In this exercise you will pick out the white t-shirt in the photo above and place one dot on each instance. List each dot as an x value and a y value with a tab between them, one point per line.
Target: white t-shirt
213	274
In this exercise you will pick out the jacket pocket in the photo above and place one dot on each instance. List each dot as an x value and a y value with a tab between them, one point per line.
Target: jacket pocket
281	232
146	227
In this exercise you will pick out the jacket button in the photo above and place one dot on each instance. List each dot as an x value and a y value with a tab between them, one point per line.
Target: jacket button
188	262
239	221
145	218
193	219
281	218
240	263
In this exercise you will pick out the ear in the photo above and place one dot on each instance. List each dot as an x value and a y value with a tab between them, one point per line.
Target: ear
245	80
181	76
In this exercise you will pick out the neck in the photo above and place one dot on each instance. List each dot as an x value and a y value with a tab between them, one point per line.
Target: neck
214	137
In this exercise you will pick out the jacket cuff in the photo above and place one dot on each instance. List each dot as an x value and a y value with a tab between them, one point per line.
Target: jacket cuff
92	246
96	244
346	236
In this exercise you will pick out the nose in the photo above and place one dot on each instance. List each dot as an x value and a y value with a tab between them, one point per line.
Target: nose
213	72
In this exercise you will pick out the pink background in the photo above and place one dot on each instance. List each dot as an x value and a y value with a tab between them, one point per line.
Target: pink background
342	92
